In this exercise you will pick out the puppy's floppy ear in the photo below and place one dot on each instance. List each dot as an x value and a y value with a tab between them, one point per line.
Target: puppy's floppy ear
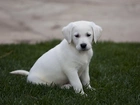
67	32
96	31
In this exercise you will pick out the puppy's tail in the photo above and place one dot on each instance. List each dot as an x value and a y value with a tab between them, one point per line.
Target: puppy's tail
21	72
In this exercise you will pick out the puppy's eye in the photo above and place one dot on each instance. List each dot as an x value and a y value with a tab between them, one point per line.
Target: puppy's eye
77	35
88	35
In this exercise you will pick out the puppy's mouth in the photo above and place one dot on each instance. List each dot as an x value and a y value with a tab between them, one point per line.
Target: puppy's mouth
84	49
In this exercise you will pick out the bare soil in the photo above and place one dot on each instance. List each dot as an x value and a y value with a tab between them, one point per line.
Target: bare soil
34	21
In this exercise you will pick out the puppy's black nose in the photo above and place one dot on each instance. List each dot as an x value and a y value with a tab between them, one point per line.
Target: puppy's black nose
83	45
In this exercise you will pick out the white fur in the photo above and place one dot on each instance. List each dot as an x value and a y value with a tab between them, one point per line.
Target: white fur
22	72
67	64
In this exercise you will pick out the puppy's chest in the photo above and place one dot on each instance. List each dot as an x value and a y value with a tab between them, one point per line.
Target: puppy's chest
81	66
80	61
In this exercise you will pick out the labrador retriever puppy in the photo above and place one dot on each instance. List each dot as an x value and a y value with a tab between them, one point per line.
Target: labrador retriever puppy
67	64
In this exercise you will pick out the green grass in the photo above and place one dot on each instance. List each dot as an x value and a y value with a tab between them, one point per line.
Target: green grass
114	72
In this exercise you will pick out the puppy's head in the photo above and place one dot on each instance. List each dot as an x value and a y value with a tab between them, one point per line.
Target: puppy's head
81	34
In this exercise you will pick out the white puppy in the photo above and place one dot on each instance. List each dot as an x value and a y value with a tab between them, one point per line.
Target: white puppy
67	64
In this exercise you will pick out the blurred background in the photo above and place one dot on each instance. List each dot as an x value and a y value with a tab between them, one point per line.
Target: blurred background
32	21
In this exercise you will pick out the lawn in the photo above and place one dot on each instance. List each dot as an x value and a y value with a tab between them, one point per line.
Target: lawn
114	72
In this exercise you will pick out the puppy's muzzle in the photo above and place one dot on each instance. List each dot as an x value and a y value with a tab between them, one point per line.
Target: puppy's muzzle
83	46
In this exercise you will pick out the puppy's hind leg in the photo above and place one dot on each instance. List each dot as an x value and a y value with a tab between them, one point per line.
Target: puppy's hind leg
66	86
35	80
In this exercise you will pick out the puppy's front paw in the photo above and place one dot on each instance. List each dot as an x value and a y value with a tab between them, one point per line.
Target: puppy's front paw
83	94
91	88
